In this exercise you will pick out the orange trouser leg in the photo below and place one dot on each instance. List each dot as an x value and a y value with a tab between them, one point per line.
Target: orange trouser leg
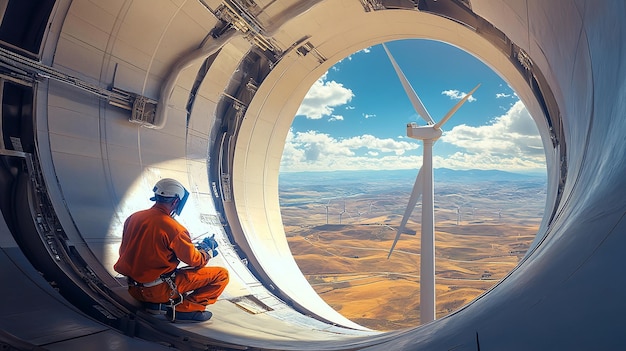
156	294
207	284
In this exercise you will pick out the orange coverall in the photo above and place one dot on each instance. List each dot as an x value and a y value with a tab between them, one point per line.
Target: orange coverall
154	243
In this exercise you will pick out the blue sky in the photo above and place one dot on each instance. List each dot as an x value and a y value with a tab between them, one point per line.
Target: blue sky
354	117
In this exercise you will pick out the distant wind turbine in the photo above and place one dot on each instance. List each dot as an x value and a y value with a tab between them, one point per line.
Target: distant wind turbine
359	213
424	186
328	204
342	212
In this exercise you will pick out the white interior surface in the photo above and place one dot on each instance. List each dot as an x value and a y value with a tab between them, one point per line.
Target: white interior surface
99	168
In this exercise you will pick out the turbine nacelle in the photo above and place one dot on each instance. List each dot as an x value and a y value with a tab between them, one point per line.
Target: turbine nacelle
427	132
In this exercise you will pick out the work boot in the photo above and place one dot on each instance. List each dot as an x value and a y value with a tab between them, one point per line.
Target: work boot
196	316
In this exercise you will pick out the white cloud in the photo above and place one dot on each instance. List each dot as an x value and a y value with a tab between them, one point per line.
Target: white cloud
367	115
502	95
510	142
335	118
323	97
383	145
457	95
315	151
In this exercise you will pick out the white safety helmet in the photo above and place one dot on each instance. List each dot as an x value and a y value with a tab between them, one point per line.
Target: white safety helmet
168	189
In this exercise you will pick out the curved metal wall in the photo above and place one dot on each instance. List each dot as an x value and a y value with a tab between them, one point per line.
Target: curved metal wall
97	167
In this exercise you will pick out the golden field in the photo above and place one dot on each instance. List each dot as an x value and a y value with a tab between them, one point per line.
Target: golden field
348	266
347	263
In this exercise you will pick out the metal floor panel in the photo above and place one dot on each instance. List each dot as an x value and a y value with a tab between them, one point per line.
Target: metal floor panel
38	315
106	340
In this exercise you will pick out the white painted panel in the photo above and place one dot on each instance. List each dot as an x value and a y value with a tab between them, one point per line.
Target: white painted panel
76	56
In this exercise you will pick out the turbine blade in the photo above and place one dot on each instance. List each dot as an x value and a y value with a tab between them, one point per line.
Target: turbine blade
415	100
415	194
456	107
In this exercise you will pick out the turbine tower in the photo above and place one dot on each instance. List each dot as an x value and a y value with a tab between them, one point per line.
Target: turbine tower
344	210
424	186
327	211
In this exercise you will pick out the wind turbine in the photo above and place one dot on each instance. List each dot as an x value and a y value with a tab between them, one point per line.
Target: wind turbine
344	210
359	213
327	211
424	186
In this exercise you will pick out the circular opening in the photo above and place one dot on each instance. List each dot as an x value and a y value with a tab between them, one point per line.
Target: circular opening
348	169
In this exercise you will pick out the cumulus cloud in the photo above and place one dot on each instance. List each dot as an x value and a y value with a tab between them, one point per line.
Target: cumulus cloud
383	145
319	151
510	141
323	97
367	115
335	118
457	95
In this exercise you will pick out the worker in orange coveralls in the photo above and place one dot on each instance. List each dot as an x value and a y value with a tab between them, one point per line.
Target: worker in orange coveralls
153	245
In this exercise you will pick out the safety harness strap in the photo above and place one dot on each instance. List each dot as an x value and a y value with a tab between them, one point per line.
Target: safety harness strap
176	298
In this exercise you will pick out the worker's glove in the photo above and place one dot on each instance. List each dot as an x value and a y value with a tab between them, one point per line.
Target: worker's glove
208	244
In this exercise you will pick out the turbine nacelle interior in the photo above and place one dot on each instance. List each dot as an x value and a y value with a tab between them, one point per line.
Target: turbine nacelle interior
102	98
